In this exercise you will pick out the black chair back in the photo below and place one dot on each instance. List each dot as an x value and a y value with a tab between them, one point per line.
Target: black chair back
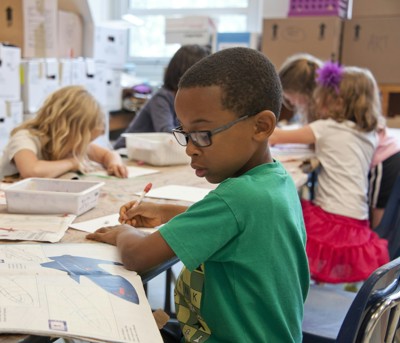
389	227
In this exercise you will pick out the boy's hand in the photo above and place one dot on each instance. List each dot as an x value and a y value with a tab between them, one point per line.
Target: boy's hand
108	234
145	215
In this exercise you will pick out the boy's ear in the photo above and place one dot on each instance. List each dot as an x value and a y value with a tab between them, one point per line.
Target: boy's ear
265	123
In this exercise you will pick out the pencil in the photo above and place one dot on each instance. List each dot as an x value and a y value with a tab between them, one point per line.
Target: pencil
143	194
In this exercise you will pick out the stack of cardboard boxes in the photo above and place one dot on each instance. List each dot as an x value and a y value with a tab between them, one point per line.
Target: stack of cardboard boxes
365	34
10	92
60	45
371	39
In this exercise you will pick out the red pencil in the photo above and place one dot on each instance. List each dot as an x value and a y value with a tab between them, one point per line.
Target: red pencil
143	194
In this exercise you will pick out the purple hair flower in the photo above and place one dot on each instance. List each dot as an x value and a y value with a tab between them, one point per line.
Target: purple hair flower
330	75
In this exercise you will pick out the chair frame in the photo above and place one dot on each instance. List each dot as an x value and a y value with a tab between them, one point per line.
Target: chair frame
379	294
389	227
376	303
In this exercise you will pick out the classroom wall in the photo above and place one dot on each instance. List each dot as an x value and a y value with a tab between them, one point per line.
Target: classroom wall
275	8
101	10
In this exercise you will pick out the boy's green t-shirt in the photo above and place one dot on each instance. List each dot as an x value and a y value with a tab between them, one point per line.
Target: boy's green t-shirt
246	273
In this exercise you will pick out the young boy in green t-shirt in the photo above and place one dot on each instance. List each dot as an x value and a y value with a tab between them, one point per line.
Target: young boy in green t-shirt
245	275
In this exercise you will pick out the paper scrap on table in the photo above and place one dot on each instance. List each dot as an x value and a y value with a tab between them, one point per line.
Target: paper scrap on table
34	227
3	198
290	152
132	172
3	185
110	220
174	192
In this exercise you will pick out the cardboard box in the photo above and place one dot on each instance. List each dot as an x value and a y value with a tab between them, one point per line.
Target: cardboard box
319	36
109	45
340	8
189	30
368	8
78	71
70	35
10	86
92	75
374	43
10	117
223	40
30	25
14	111
65	72
5	125
95	81
81	8
113	89
106	42
40	78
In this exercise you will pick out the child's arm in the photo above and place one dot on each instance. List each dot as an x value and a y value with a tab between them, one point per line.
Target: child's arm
111	160
139	251
303	135
29	165
148	214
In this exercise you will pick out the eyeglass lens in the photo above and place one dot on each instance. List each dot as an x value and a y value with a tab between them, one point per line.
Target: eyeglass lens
199	138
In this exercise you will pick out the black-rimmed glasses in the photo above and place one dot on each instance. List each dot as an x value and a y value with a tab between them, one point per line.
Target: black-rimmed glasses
202	138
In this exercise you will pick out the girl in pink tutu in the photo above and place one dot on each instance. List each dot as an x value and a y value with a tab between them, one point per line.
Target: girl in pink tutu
341	246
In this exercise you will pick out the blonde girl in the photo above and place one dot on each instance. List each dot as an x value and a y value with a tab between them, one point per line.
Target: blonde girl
341	247
59	138
298	77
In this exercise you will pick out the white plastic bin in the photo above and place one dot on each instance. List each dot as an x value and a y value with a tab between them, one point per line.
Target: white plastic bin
155	148
52	196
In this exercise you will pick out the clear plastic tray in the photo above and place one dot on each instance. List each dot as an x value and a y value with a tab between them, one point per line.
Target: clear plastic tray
155	148
50	196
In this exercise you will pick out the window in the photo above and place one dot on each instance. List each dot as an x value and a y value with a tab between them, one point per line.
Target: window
148	40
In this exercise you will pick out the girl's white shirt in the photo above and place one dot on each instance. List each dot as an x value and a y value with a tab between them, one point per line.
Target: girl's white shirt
22	139
345	154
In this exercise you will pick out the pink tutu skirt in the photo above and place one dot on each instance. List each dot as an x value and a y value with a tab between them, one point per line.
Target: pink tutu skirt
341	249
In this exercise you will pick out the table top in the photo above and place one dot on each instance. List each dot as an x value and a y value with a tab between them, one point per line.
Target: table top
117	192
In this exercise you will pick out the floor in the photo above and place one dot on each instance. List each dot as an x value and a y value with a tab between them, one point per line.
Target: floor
156	289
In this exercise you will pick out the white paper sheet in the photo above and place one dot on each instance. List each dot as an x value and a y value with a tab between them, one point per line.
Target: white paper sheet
3	198
3	185
34	227
111	220
132	172
291	152
174	192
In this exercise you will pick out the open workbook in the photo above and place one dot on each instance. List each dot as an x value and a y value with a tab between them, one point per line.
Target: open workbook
73	290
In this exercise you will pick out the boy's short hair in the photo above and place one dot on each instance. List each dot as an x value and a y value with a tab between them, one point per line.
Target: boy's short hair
247	78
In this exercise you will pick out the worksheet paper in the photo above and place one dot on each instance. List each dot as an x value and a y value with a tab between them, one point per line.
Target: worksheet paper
73	290
291	152
3	185
174	192
3	198
34	227
110	220
132	172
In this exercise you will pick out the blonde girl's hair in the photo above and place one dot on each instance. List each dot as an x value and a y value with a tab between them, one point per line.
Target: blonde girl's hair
297	75
356	99
65	122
